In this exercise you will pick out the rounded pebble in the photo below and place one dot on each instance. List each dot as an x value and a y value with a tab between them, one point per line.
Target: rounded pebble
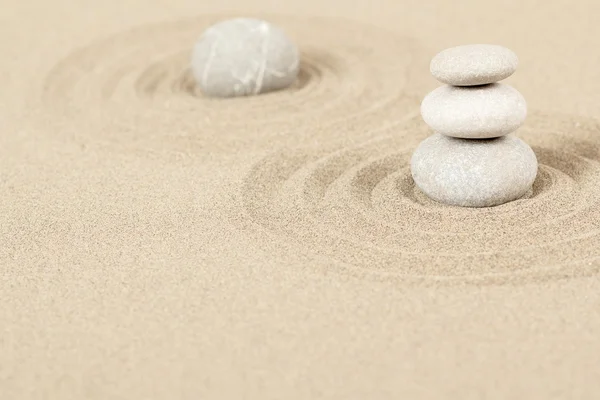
474	173
474	112
476	64
244	56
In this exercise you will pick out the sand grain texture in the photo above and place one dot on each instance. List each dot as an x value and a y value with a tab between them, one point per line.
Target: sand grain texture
156	244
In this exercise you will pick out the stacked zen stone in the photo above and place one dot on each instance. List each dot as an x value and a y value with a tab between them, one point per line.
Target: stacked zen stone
472	160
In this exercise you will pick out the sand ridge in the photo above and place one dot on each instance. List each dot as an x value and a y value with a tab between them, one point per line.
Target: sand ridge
358	204
142	75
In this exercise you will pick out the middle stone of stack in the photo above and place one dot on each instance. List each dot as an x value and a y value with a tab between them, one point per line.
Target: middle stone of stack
471	160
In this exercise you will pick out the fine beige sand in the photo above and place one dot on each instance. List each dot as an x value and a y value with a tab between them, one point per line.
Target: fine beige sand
155	244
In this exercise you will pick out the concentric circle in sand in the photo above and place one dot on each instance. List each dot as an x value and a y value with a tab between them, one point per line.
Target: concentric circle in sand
358	206
137	85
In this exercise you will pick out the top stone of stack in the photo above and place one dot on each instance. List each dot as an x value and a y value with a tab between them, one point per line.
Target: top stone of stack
473	65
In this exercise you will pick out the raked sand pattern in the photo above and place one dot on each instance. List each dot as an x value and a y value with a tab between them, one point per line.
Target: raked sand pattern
157	244
348	195
354	202
359	205
138	83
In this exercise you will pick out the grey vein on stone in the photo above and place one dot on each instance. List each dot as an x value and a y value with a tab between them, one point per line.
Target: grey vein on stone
244	56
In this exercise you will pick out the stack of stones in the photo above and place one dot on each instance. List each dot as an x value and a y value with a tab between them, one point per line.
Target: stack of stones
472	160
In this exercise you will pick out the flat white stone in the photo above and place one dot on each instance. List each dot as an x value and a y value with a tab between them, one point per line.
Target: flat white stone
474	173
244	56
475	64
474	112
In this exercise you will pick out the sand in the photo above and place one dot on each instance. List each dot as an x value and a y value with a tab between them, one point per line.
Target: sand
159	245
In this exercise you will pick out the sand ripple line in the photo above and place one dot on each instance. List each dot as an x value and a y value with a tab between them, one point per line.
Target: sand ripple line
139	81
358	206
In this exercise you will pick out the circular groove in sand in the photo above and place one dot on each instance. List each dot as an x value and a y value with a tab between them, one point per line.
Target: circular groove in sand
138	83
357	205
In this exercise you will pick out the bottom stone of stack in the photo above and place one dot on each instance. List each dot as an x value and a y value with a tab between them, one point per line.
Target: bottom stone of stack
474	173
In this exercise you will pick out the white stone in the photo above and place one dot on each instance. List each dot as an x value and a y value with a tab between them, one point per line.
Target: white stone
476	64
244	56
474	173
474	112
